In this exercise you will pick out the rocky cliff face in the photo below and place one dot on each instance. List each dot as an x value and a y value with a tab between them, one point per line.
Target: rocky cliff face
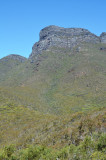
63	38
103	37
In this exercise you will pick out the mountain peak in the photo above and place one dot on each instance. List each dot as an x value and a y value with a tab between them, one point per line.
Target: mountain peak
61	31
54	36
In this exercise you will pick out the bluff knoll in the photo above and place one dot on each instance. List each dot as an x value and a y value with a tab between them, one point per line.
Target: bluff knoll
54	36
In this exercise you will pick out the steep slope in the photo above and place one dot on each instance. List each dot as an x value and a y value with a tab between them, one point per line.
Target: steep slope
59	82
61	78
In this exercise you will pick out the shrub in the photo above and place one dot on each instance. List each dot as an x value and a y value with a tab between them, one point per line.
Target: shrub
101	142
7	153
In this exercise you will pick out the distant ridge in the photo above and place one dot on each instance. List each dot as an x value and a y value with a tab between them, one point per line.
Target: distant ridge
14	57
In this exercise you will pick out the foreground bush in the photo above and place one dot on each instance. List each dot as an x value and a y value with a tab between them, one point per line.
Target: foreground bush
91	148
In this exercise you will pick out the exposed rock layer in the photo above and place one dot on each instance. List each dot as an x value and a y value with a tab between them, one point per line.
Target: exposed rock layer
63	38
103	37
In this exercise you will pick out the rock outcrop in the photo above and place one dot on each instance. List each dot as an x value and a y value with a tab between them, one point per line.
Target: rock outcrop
62	37
103	37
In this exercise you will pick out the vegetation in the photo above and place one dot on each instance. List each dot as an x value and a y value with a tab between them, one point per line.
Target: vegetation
54	107
91	148
58	82
28	134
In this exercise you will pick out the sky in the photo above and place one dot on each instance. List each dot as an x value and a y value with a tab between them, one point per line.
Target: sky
22	20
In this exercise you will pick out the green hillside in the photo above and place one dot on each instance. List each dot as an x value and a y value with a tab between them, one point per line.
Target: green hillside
53	108
60	82
28	134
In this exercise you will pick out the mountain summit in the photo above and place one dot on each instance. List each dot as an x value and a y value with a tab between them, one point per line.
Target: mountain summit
54	36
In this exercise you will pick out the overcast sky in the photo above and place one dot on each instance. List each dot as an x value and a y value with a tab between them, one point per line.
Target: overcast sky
22	20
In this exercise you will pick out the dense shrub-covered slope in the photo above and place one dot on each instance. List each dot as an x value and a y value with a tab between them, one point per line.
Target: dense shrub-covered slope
54	107
27	134
59	82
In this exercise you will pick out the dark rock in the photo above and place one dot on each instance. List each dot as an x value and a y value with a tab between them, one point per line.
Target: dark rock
103	37
103	48
54	36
